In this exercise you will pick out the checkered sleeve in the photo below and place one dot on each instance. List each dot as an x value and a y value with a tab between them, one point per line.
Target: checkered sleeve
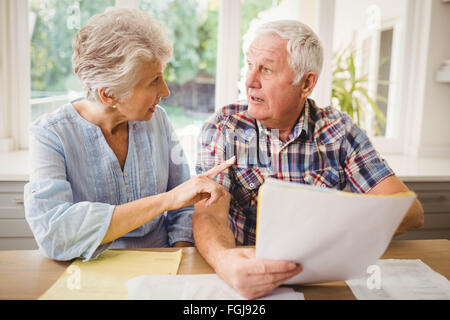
364	167
212	149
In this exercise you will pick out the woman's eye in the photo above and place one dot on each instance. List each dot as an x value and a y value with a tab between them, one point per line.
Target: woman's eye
155	81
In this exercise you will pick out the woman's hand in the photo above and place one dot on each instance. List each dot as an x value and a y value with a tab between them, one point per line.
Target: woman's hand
198	188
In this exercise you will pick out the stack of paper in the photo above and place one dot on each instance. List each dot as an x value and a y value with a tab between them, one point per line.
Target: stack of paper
105	277
334	235
394	279
194	287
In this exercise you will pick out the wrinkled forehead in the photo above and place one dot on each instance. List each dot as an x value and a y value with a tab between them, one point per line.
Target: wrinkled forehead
151	69
268	46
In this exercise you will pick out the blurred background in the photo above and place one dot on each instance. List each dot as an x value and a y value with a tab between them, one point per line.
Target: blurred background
369	52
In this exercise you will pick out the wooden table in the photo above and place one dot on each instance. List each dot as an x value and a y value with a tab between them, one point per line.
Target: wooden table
27	274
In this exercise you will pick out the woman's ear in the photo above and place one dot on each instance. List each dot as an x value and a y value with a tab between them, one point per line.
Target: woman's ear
106	98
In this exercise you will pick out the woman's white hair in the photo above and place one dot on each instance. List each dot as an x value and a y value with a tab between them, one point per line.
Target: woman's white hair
304	47
110	50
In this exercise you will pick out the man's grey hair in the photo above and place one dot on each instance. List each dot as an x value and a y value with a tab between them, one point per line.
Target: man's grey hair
110	50
304	47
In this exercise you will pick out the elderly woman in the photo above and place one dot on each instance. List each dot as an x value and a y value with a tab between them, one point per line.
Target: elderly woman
106	170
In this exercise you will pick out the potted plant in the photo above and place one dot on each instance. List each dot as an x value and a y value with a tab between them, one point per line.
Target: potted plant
350	93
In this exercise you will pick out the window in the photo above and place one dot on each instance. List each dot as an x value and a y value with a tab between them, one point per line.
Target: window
251	10
253	14
192	26
52	24
190	74
371	32
45	28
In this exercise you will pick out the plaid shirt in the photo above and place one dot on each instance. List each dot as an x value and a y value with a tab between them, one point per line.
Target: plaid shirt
325	148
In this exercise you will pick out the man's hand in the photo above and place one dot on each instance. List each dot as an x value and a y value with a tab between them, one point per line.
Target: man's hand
251	277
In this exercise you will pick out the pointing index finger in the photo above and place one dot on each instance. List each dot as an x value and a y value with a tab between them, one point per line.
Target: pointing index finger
211	173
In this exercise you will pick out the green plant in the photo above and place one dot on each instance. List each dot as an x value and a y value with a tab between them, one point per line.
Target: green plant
350	92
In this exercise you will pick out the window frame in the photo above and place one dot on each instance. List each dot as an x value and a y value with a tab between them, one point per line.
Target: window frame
15	76
392	141
227	62
404	136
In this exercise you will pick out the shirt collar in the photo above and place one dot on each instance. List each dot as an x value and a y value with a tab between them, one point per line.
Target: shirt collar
301	129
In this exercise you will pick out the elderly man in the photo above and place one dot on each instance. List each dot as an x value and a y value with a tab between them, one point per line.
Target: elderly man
283	134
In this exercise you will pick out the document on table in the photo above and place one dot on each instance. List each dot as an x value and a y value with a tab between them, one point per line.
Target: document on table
401	280
105	277
194	287
334	235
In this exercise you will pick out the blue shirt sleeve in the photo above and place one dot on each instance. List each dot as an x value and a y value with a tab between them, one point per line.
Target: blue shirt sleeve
178	222
63	230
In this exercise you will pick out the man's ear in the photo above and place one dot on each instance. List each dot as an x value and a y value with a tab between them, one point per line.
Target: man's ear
308	83
106	98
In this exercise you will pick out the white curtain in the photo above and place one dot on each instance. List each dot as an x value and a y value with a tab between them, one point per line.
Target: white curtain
14	74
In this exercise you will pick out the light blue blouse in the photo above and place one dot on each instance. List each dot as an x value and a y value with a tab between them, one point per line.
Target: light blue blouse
76	181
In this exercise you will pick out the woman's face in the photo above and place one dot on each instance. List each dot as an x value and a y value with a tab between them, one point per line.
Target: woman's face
146	94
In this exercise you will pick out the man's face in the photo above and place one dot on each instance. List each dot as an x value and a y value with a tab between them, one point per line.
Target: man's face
272	98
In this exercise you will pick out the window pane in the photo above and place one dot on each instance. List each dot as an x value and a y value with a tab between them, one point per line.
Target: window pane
384	71
250	9
190	74
368	42
254	13
53	23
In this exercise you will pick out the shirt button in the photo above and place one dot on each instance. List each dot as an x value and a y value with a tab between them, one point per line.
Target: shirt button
323	186
128	190
252	185
126	181
125	174
129	199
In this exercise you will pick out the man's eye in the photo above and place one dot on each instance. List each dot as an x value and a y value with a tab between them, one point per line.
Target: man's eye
267	70
249	64
156	80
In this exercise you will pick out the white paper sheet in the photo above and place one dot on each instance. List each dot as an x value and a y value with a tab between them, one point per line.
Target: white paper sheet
401	280
334	235
194	287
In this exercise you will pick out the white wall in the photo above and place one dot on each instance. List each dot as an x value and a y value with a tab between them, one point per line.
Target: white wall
435	130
